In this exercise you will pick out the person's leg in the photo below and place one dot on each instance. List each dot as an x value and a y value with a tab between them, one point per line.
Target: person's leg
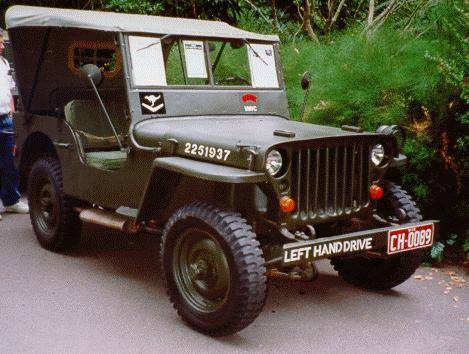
9	175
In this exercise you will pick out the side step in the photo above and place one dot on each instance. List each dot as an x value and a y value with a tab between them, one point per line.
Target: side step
109	219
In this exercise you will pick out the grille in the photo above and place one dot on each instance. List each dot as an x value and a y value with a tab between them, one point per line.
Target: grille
329	182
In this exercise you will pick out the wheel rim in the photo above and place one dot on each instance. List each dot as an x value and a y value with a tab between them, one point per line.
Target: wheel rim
201	270
44	207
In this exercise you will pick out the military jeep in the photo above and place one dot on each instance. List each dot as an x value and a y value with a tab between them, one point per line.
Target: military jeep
180	128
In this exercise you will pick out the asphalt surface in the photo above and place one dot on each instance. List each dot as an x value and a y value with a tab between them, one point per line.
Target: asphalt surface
108	297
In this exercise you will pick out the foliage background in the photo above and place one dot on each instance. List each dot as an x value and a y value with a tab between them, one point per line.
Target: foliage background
372	62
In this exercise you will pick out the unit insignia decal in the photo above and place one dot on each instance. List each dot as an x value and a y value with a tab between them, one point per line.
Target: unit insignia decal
152	103
250	102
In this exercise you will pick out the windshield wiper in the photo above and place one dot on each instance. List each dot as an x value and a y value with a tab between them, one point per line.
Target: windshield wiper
160	40
255	52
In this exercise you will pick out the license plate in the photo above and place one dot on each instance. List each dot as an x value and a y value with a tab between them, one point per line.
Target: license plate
410	238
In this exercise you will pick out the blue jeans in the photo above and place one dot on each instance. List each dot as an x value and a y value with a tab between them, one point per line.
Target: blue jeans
9	177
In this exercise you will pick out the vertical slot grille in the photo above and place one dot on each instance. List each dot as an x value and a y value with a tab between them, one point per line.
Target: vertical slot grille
330	181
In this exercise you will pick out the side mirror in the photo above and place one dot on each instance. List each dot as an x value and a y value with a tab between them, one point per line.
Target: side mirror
92	72
305	80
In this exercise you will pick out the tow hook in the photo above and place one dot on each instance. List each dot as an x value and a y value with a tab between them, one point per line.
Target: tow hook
306	272
299	235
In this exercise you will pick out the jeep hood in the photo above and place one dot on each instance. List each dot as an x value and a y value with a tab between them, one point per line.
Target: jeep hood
255	130
184	135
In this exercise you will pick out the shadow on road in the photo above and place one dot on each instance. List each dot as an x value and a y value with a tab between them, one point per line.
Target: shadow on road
137	257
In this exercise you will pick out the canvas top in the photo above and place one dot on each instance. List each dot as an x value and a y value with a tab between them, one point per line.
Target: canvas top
32	16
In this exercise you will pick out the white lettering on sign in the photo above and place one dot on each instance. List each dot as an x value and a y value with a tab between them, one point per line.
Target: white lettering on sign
327	249
250	108
296	254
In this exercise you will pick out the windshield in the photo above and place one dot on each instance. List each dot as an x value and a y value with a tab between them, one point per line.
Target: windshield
172	61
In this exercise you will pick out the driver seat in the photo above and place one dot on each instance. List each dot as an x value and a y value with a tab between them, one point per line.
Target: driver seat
100	146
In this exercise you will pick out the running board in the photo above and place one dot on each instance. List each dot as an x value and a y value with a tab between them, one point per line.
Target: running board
109	219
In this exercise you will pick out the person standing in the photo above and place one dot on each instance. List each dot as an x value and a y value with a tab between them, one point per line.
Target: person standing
9	194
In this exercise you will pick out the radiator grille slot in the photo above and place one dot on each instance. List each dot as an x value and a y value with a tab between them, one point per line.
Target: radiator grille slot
328	182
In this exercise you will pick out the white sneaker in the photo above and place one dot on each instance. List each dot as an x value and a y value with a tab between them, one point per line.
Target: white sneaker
19	208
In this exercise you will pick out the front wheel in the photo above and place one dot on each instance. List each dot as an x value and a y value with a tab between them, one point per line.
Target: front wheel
398	207
214	269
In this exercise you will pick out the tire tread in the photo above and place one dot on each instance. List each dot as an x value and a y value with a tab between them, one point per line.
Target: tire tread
248	258
375	274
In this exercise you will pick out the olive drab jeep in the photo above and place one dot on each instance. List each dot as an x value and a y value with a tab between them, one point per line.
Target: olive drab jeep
180	128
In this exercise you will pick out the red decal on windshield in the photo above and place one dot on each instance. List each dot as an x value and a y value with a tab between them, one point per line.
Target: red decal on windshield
249	97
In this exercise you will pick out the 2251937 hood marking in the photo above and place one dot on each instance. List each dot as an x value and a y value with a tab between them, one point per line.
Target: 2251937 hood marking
207	151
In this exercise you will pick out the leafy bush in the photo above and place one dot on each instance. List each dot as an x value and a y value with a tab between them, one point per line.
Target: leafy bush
147	7
226	10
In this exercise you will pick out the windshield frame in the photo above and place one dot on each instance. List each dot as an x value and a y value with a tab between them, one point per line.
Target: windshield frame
211	85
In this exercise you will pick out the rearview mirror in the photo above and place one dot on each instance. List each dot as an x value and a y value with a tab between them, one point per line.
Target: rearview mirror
237	44
91	71
305	80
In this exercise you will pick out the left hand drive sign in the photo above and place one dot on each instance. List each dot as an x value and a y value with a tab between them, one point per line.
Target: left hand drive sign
391	239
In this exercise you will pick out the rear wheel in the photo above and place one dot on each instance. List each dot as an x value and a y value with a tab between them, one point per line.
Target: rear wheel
214	269
55	224
398	207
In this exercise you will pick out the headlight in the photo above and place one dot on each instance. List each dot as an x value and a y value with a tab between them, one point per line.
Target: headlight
397	131
377	154
274	162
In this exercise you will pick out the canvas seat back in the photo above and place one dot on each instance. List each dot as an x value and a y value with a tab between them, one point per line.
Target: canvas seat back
87	118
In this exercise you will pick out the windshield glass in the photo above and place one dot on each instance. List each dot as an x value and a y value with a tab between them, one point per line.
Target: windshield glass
187	62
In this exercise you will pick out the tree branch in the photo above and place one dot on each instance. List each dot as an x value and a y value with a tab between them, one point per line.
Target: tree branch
381	18
371	13
307	22
255	8
359	7
336	15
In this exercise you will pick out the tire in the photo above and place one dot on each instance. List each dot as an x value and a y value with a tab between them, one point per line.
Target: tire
381	274
214	269
55	224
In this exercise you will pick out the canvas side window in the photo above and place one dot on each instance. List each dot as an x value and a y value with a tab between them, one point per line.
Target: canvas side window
147	61
104	55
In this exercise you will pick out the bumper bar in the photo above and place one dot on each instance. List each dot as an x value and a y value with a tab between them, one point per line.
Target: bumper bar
351	243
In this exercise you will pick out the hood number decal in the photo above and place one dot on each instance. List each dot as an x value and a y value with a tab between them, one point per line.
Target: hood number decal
210	152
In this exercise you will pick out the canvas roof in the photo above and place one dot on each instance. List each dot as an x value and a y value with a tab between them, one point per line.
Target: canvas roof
32	16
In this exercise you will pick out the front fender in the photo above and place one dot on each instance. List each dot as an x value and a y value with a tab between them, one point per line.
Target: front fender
167	172
208	171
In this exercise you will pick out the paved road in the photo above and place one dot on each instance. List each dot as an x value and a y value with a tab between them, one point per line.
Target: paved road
109	297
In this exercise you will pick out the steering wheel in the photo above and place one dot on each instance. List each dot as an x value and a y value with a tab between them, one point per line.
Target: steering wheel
234	79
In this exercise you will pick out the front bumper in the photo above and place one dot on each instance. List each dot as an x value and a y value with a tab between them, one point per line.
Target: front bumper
394	239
